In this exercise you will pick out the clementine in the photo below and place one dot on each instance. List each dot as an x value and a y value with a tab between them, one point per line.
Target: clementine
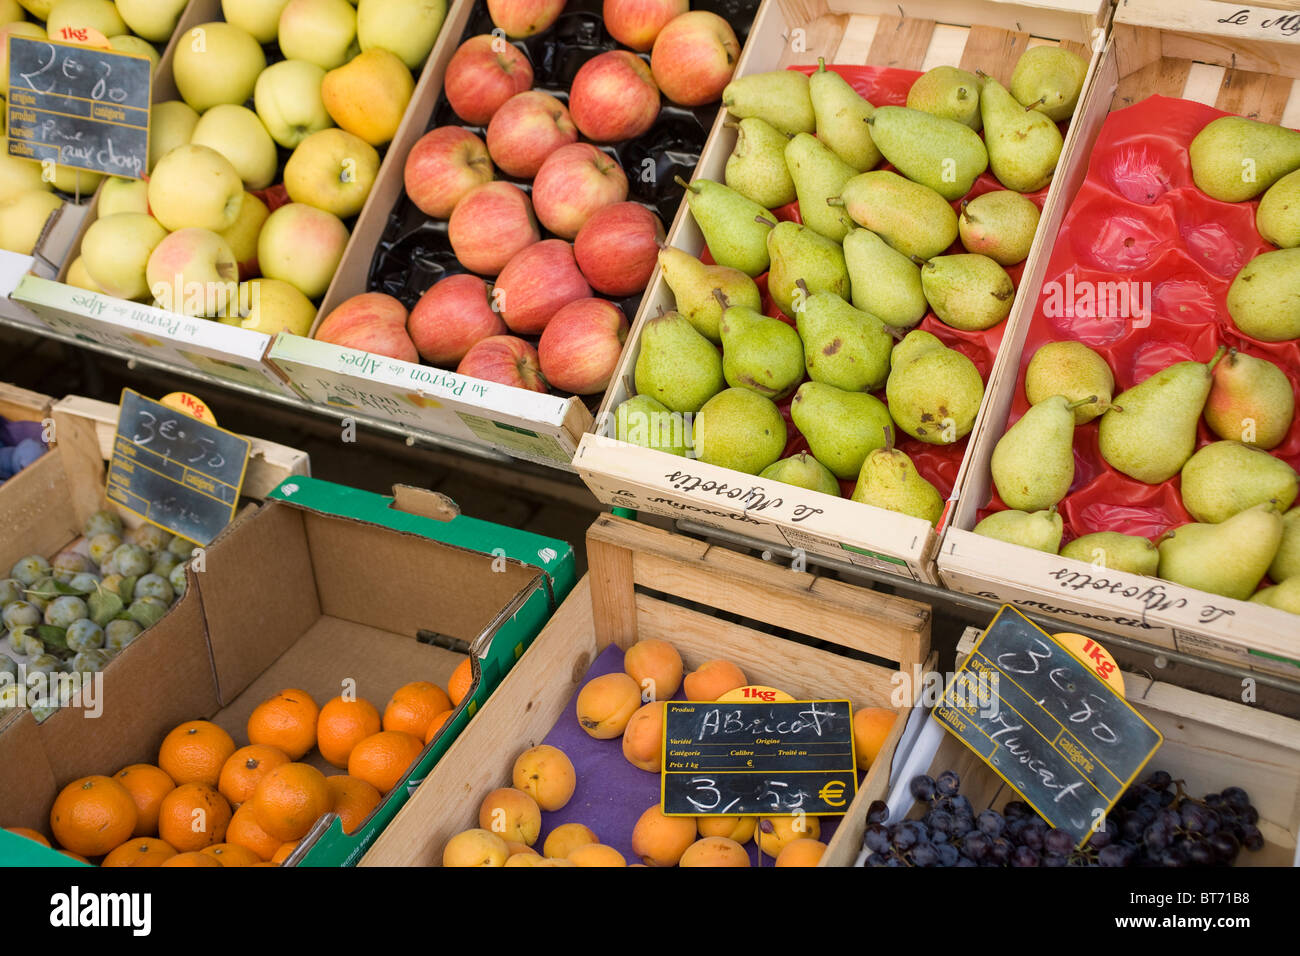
93	815
458	684
413	707
147	785
193	816
287	721
289	800
194	752
245	769
143	851
342	725
382	759
351	799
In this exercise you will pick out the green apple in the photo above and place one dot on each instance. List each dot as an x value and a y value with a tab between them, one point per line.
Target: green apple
76	182
20	176
98	15
260	18
217	63
17	29
195	187
193	272
122	195
408	28
323	32
126	43
155	20
171	124
303	246
332	170
237	133
116	249
242	236
273	306
40	9
79	278
11	11
287	98
23	219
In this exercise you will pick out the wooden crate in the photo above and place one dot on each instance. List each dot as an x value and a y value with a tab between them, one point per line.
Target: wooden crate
625	598
21	405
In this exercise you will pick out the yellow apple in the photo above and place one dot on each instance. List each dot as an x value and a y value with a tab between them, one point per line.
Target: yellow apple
236	133
242	236
76	182
116	249
217	63
332	170
323	32
155	20
171	124
16	29
195	187
273	305
20	176
98	15
303	246
407	28
122	195
261	18
23	218
11	12
287	98
79	278
369	96
126	43
193	272
40	9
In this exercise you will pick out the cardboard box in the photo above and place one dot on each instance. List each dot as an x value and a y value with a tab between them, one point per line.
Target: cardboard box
971	35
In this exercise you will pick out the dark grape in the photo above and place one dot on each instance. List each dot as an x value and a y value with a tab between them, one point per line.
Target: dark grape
948	783
1031	838
1016	809
990	822
1200	854
959	805
1215	801
1253	839
1156	836
905	837
1193	818
925	854
965	861
941	821
1236	798
1169	818
976	845
922	788
1167	797
1104	836
1147	797
1117	854
878	812
1172	856
877	838
894	861
877	859
1058	841
1133	827
1249	816
937	837
948	854
1000	851
962	824
1225	846
1160	780
1024	856
1055	860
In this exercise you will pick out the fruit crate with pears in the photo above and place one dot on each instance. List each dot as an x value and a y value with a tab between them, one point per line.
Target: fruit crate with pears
792	631
1140	294
873	50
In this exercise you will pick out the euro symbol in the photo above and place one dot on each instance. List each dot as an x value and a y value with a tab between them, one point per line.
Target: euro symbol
832	794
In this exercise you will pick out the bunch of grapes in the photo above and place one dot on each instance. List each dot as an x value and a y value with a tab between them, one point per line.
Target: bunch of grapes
1155	823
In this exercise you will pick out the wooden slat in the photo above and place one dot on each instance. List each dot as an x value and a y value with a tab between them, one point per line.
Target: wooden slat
1078	49
1253	55
993	50
613	595
1256	96
900	42
1134	47
1164	77
19	404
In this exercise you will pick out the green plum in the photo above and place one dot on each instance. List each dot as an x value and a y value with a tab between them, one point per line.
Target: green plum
118	634
155	586
20	614
102	522
84	635
65	610
103	545
31	569
131	560
11	589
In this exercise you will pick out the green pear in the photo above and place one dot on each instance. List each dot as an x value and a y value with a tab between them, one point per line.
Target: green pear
948	92
843	346
1234	158
760	353
1278	215
1282	597
1049	79
1227	477
800	253
641	420
1229	558
841	114
803	471
756	167
912	218
1033	463
780	97
819	175
1261	299
1150	430
889	480
1073	370
740	430
1000	225
694	285
1251	401
1115	552
1024	145
934	392
734	227
943	154
1286	563
841	427
888	283
1041	530
967	291
677	366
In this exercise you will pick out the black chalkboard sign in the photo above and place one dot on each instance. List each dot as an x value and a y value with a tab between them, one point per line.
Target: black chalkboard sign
79	106
758	759
1047	724
175	471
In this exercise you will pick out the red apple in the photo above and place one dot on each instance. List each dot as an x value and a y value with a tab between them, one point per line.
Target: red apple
617	248
449	318
523	18
372	322
528	128
489	225
636	23
443	166
694	57
572	184
537	283
580	346
614	97
484	72
504	359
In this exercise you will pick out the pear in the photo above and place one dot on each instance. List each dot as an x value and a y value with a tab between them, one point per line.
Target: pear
841	115
1073	370
1115	552
841	427
641	420
760	353
780	97
1286	563
756	167
934	392
1278	215
1264	298
1229	558
843	346
694	285
948	92
912	218
1234	158
1000	225
1150	430
1251	401
734	227
1024	145
1033	463
1227	477
1041	530
1049	79
967	291
740	430
803	471
800	253
677	366
818	175
1282	597
888	283
889	480
943	154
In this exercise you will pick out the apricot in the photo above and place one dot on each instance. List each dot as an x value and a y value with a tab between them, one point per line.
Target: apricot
546	774
525	859
714	851
475	848
566	838
712	679
803	852
661	840
740	829
871	725
656	667
775	833
643	740
511	814
596	854
606	704
516	848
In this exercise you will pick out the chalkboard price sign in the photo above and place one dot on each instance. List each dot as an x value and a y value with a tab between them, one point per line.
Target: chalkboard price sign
175	471
1047	724
79	106
758	759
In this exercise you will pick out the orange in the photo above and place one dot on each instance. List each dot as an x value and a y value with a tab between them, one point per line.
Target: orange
194	752
287	721
459	683
413	707
191	858
30	834
382	759
193	816
147	785
435	725
871	726
76	856
144	851
342	725
283	853
351	799
245	831
246	767
93	815
289	800
230	854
